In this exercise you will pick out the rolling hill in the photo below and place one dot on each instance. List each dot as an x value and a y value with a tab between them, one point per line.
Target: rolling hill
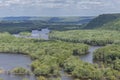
18	24
105	21
62	20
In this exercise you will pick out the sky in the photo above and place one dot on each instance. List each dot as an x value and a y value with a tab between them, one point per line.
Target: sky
58	7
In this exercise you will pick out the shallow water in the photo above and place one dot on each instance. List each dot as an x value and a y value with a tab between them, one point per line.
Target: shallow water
89	57
65	76
10	61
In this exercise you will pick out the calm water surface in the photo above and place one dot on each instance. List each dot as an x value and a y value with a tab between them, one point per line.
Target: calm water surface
43	34
10	61
89	57
86	58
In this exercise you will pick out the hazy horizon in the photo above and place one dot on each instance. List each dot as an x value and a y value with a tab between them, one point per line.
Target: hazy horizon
57	8
49	16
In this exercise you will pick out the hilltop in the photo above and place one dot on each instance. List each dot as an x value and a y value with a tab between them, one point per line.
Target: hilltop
105	21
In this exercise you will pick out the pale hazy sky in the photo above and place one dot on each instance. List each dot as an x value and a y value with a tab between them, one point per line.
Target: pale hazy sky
58	7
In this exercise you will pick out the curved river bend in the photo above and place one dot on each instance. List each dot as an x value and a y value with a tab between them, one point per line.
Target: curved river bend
11	60
86	58
89	57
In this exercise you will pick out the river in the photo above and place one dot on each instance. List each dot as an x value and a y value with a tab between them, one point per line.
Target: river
10	61
37	34
89	57
43	34
86	58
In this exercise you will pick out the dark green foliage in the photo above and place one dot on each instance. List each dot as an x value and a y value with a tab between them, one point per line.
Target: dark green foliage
17	27
20	71
20	24
105	22
47	56
91	37
102	20
50	56
114	25
109	55
116	64
86	71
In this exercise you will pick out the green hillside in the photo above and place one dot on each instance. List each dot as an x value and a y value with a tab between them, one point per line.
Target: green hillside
114	25
105	21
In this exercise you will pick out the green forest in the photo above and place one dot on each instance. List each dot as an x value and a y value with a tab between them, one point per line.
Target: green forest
20	24
50	56
65	46
91	37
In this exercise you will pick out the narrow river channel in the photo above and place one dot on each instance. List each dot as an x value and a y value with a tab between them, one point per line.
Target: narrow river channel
86	58
44	35
89	57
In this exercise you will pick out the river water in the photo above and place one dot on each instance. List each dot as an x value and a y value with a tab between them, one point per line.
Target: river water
89	57
86	58
10	61
43	34
37	34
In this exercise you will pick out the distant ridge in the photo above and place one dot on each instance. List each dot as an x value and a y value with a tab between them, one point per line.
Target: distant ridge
71	19
104	21
26	23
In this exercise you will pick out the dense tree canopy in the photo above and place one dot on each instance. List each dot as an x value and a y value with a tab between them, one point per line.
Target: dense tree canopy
50	56
110	55
92	37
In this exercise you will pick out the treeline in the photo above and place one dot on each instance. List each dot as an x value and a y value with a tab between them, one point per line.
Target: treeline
85	71
21	26
109	55
50	56
47	57
91	37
